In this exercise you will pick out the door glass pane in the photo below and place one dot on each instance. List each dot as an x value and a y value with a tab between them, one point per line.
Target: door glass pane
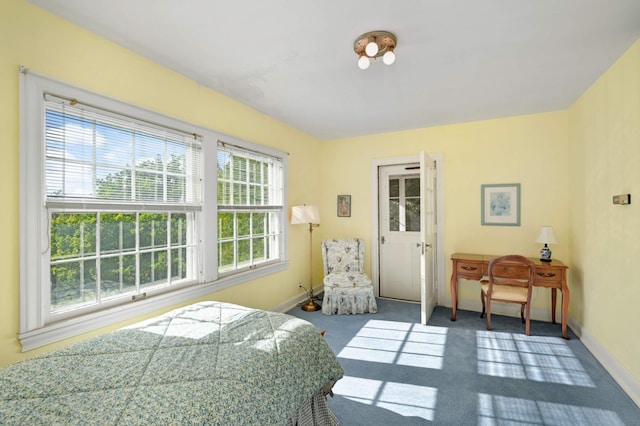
413	214
394	188
394	215
394	204
412	204
412	187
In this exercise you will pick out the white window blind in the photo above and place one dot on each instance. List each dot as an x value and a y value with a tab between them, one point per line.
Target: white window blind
96	157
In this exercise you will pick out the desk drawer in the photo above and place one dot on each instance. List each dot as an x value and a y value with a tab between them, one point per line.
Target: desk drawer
510	270
549	276
471	269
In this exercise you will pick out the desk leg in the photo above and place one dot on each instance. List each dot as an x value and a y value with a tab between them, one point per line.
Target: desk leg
553	305
565	312
454	294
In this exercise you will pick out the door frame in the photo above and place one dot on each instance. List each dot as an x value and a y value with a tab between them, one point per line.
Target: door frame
375	237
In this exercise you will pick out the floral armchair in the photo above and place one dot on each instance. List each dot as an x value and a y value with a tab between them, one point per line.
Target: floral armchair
347	289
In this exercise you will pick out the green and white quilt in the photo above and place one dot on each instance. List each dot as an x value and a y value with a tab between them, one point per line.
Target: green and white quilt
209	363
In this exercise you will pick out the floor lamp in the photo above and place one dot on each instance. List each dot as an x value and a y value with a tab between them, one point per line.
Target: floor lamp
310	215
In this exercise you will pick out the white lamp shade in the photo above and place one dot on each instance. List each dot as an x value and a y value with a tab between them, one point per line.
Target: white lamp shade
305	214
546	236
363	62
389	57
371	49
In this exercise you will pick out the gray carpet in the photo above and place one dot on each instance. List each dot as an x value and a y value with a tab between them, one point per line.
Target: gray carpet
398	372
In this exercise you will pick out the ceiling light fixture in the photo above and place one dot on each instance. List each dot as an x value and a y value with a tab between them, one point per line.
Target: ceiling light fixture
373	45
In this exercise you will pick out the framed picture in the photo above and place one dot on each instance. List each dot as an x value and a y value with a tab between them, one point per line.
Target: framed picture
501	204
344	205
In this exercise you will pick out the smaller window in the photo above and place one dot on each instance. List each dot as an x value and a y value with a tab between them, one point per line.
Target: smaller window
250	208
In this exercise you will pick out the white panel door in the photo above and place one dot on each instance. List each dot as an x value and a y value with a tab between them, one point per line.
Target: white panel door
399	233
427	235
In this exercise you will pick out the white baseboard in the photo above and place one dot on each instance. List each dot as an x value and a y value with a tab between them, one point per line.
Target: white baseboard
619	373
296	300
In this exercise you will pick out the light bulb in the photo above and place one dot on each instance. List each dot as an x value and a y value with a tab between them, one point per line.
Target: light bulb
363	62
371	49
389	57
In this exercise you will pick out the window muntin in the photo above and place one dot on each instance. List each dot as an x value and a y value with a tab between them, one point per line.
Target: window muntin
250	208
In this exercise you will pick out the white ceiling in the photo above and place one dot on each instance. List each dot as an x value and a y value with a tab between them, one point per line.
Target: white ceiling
456	60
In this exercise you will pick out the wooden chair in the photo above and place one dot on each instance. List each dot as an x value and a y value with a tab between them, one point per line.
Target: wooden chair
510	280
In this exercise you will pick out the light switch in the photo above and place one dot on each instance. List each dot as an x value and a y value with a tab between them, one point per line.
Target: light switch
623	199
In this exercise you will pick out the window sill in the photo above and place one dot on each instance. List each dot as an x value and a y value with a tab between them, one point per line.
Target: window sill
64	329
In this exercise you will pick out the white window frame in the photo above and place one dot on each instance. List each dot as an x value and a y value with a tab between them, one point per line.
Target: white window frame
249	151
36	328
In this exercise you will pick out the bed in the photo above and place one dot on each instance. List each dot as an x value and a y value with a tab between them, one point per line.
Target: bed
209	363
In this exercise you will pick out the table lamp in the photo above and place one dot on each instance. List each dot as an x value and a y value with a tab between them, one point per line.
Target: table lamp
310	215
546	237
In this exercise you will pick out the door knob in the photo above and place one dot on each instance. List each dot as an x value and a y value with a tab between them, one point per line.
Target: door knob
423	245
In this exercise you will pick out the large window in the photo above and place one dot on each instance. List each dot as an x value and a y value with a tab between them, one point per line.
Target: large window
116	192
118	208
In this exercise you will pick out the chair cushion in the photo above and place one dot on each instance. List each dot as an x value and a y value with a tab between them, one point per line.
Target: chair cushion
347	279
506	293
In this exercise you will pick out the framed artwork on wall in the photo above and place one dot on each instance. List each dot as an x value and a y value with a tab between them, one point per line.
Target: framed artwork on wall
344	205
501	204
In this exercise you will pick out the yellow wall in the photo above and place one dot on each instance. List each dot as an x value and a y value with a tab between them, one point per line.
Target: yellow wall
604	152
530	150
569	164
33	38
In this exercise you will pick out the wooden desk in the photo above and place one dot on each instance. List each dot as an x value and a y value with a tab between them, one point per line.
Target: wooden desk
552	275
